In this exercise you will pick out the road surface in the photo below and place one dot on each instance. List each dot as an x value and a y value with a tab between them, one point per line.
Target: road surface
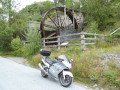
14	76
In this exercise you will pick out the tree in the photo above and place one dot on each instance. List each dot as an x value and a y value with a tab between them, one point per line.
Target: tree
36	10
8	7
5	35
97	10
60	1
12	23
19	24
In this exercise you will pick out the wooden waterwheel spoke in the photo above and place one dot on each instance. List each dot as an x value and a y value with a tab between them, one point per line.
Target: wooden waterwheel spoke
62	22
60	19
53	22
57	17
51	35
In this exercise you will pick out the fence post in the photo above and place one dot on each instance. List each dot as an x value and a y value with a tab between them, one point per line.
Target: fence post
43	42
73	20
65	14
23	43
58	42
82	41
103	37
95	38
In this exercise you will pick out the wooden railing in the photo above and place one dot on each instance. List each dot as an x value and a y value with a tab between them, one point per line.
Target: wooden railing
80	41
115	31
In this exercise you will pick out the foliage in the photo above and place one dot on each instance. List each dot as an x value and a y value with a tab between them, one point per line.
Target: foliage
110	39
33	37
16	43
35	11
19	24
117	34
8	8
113	38
5	35
97	10
20	52
110	76
15	20
94	27
59	1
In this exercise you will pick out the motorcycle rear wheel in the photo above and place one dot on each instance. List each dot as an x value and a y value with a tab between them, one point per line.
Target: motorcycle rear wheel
44	74
67	81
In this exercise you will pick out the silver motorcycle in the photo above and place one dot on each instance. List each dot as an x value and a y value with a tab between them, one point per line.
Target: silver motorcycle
58	68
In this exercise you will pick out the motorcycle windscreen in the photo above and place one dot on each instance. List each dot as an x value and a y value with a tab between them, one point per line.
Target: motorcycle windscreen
64	58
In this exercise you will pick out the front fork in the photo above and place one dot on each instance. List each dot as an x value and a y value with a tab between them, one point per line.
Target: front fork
67	73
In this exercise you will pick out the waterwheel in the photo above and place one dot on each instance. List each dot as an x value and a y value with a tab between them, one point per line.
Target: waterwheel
57	20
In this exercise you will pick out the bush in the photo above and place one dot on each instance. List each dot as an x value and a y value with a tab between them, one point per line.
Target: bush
33	37
19	52
110	39
6	36
94	27
16	44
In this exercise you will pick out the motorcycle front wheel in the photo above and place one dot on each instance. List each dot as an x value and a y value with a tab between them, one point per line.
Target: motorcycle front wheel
65	82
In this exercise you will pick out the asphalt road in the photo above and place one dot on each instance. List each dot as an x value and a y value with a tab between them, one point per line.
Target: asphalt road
14	76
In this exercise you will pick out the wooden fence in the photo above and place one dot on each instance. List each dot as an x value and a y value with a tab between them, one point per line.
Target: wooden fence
80	41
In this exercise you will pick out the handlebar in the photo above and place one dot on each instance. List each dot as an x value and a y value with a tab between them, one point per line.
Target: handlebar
58	59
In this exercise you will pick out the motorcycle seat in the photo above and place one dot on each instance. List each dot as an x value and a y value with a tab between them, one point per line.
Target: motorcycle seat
49	61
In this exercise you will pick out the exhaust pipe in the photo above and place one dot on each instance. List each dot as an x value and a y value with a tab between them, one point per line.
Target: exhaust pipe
42	68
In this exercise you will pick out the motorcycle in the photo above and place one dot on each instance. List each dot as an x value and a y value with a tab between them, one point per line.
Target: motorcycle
58	68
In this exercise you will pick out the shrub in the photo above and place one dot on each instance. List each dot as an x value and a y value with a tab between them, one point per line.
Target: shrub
16	44
110	39
94	27
33	37
19	52
6	36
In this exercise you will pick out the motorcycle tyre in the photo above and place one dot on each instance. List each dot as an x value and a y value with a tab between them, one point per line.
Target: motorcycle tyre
61	82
